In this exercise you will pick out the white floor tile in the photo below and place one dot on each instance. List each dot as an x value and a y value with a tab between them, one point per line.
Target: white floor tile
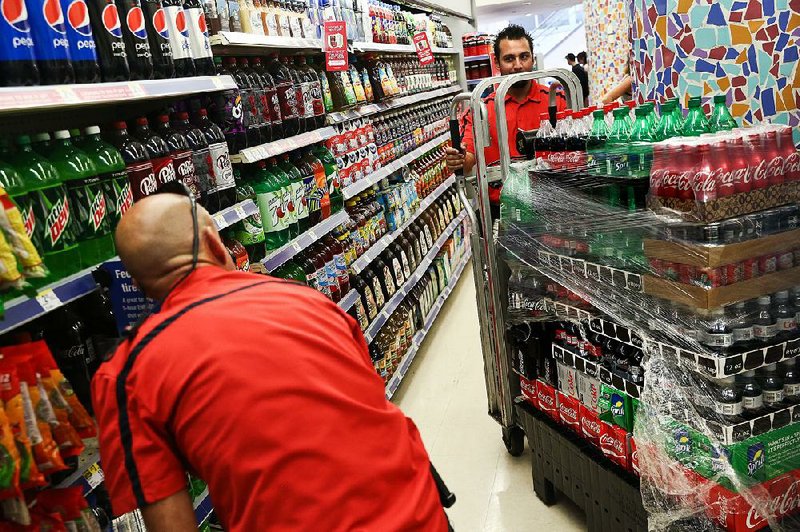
445	394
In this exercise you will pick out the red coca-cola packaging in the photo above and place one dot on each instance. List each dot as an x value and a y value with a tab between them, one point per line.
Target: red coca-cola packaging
704	178
547	400
634	456
528	389
791	157
568	412
754	144
741	171
591	427
774	158
614	443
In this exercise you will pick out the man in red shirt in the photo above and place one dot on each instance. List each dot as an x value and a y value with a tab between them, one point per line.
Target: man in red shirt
525	102
261	387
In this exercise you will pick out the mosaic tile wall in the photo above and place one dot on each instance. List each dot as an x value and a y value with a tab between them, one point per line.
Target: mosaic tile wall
747	49
607	44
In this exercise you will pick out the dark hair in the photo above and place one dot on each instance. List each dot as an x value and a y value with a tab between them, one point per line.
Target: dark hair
582	56
512	32
570	57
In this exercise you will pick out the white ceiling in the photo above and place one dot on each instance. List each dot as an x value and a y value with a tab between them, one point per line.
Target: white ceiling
491	12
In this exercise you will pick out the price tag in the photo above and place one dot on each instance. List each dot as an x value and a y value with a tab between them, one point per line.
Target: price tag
219	221
239	210
94	475
218	83
138	91
48	300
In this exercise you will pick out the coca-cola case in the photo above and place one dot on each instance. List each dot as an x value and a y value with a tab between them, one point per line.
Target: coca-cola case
589	391
547	400
633	463
614	444
569	412
528	389
591	427
568	380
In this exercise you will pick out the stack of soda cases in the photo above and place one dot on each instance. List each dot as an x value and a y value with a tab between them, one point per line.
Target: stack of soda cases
87	41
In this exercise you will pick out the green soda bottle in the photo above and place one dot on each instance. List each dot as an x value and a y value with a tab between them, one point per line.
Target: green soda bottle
250	231
54	222
696	122
269	197
17	189
596	144
290	270
516	201
41	143
617	144
640	155
677	110
721	119
332	177
667	127
87	199
287	200
298	192
111	171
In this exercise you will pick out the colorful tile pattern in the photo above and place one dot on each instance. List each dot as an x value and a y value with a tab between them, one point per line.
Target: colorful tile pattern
747	49
608	44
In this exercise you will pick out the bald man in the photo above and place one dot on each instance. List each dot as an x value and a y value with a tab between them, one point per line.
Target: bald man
263	388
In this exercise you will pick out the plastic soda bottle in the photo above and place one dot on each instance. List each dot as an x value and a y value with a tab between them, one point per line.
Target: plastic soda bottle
617	144
721	119
269	196
696	122
111	170
640	155
332	177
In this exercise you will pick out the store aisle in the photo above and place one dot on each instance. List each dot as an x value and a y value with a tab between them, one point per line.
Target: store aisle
444	393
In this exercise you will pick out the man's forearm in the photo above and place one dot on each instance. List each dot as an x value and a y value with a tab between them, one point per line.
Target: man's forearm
173	514
469	162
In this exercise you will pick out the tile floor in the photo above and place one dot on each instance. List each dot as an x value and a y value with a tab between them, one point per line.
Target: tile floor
444	393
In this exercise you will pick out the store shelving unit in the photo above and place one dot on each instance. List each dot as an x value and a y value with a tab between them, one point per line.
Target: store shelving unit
236	213
408	358
401	293
376	249
277	147
349	299
373	108
385	171
278	257
233	39
60	97
396	48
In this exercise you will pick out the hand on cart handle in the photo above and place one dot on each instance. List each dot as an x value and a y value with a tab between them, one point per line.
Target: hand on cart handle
455	159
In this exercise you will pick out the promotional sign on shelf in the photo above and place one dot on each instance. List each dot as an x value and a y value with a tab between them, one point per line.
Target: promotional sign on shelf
129	303
423	48
335	44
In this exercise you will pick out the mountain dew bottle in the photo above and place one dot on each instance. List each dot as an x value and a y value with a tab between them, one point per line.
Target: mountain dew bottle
87	199
53	221
516	200
111	171
16	188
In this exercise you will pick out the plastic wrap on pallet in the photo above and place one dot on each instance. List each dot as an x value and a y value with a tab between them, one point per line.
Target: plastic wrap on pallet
672	273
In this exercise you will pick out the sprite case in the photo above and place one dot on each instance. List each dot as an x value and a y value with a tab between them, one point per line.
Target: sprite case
616	407
87	200
52	222
756	459
111	171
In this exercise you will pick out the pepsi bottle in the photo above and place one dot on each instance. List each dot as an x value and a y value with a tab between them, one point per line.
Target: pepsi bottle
198	38
17	66
178	29
50	43
155	19
82	47
137	44
107	31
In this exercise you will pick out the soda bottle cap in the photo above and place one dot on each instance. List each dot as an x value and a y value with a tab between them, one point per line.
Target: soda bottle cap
631	104
92	130
41	137
142	121
61	134
23	139
164	119
243	61
641	111
764	300
598	114
720	98
202	112
183	115
544	116
560	115
120	124
695	101
783	295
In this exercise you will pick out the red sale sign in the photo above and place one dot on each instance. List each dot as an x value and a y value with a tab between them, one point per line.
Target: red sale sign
335	43
423	48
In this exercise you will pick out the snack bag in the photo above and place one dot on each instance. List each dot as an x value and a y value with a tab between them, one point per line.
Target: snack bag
38	415
78	416
9	460
14	229
10	277
29	474
70	505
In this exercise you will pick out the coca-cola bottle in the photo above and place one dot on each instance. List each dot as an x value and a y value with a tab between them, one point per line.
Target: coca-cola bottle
181	154
137	162
157	151
791	157
287	96
703	181
558	142
201	159
273	105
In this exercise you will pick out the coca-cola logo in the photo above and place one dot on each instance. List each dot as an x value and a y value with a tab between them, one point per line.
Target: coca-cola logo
544	399
704	183
607	441
792	164
683	181
782	504
568	412
775	167
528	388
591	426
725	178
148	184
760	171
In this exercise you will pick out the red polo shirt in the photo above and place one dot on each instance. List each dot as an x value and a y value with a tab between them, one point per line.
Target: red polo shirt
519	115
264	389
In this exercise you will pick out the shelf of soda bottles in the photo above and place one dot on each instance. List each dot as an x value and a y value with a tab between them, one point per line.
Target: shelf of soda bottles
408	358
278	257
271	149
471	58
385	171
19	99
364	260
349	299
235	38
372	108
234	213
593	369
202	507
399	48
411	282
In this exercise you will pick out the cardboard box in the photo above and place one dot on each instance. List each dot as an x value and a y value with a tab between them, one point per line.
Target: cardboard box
634	461
616	406
528	389
568	380
547	400
614	444
591	426
589	391
569	412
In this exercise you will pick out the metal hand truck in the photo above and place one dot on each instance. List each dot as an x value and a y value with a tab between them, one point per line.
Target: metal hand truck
502	386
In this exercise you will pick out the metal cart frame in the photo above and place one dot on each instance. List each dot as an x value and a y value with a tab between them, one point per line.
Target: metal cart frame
490	284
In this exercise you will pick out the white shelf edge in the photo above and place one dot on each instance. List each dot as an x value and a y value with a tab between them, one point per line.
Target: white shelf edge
277	147
372	108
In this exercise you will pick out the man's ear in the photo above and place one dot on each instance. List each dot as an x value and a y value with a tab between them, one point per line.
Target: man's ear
217	249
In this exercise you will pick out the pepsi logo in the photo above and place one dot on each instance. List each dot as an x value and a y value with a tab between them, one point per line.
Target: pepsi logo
78	17
160	23
180	23
53	16
135	21
15	14
111	20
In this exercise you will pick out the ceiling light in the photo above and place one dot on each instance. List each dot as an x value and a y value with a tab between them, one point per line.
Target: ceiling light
529	14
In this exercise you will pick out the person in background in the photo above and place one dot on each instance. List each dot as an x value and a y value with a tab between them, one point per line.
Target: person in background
263	388
524	102
581	74
582	61
623	89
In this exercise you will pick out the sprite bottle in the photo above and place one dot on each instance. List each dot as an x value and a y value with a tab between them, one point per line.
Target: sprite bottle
617	144
721	119
87	199
111	171
596	144
640	155
54	223
696	122
269	196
